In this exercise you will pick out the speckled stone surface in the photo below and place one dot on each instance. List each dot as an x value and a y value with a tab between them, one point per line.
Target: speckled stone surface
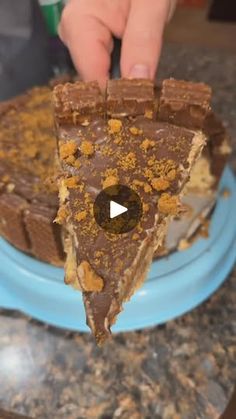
183	370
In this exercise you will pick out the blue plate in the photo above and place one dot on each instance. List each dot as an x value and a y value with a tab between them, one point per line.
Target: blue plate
175	284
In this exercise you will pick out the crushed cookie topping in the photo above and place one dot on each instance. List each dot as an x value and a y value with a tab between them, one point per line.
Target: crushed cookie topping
87	148
70	160
148	114
168	205
72	182
110	181
128	161
81	215
67	149
160	184
136	131
114	125
146	144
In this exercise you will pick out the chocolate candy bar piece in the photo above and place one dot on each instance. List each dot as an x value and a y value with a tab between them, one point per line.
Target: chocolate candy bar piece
219	144
11	220
77	102
184	103
130	98
45	236
151	157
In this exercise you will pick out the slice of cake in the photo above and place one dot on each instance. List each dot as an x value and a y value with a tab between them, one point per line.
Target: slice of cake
124	138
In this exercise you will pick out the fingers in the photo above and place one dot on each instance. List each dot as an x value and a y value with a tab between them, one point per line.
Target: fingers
86	28
90	48
142	38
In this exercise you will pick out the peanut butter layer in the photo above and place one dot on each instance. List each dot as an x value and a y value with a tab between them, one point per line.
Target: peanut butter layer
152	157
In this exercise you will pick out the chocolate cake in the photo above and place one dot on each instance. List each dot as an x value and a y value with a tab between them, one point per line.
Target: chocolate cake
125	138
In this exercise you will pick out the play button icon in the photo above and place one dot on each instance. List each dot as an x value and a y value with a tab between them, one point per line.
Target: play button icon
117	209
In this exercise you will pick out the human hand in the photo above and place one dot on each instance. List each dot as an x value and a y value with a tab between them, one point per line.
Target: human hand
87	28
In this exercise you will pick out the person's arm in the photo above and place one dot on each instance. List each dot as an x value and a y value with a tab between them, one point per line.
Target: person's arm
87	28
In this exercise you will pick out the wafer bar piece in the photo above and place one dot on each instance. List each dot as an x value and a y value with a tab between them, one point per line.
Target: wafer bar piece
151	157
45	236
12	226
125	98
184	103
77	102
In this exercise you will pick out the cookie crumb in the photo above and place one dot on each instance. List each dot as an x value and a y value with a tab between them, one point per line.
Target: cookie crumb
148	114
147	188
128	161
168	204
183	244
67	149
171	175
72	182
114	125
110	181
87	148
160	184
77	164
81	215
225	193
146	144
136	131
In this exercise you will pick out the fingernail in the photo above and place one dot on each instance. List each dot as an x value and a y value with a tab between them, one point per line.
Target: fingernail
139	71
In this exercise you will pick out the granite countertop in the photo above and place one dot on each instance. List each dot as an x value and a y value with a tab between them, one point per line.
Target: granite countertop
183	370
